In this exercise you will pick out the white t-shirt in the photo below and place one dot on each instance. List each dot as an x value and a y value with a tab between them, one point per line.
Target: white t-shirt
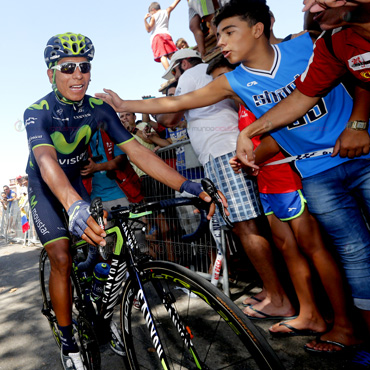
212	130
160	24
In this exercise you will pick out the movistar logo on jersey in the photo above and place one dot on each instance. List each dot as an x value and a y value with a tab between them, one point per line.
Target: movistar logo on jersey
95	101
61	144
33	201
40	106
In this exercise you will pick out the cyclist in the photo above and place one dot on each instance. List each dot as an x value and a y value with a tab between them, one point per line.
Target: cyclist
59	127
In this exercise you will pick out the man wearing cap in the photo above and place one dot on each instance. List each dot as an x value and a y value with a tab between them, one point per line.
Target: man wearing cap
213	132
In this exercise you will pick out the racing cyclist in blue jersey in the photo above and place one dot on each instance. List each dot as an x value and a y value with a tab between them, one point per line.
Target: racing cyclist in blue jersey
59	127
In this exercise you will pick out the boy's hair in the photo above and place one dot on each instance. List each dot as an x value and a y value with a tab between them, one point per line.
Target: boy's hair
218	62
154	6
251	11
180	40
170	86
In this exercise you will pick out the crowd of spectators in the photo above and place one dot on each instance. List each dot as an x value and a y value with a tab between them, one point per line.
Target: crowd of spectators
270	65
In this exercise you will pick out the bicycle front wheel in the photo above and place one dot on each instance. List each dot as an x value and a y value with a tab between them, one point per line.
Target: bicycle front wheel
221	336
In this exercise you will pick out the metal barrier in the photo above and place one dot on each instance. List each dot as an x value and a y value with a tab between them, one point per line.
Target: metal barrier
170	236
11	226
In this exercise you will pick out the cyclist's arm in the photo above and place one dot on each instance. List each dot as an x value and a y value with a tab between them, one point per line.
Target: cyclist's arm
151	164
58	183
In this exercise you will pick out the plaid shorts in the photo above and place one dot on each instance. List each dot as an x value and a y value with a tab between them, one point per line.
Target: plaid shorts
240	190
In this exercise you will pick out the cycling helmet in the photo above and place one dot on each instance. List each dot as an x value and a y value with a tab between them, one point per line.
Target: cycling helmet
68	45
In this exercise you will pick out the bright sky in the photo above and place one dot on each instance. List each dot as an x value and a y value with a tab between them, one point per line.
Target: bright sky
123	58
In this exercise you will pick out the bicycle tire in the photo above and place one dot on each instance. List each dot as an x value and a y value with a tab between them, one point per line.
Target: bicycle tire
47	308
88	344
84	333
222	336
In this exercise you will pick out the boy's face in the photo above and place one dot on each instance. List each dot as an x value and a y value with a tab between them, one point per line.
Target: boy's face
236	39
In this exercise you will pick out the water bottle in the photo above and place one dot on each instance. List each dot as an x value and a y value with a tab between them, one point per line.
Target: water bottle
100	276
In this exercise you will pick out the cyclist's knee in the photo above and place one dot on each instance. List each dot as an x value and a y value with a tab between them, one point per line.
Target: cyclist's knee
60	257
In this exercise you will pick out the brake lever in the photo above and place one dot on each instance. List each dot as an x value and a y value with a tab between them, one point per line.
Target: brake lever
96	210
210	188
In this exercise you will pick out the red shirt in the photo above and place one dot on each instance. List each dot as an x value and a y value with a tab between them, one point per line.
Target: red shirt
275	179
350	52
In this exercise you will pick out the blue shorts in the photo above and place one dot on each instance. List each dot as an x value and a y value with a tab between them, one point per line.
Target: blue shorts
47	211
285	206
239	189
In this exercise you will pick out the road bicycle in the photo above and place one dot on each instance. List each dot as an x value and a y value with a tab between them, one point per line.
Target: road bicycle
171	318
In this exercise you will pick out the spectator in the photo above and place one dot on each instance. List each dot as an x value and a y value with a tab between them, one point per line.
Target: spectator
11	196
201	11
161	40
4	201
181	43
109	175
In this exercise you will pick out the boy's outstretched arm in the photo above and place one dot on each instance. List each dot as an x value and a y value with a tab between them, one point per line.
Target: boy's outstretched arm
172	7
284	113
212	93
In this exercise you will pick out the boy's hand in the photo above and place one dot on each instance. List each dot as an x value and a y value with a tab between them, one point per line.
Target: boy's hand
244	151
147	15
111	98
235	164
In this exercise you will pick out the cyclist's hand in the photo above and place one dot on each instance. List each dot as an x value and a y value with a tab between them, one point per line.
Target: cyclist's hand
190	188
83	225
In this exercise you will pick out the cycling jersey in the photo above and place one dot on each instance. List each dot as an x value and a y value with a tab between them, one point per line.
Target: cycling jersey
68	128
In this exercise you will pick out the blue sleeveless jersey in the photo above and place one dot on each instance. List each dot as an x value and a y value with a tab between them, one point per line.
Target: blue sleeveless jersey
319	128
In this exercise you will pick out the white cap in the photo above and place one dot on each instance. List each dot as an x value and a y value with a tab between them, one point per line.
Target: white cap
177	57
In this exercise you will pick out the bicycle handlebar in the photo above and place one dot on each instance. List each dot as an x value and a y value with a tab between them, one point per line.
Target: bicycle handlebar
126	213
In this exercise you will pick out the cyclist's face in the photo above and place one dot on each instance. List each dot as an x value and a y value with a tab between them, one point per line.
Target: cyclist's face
71	86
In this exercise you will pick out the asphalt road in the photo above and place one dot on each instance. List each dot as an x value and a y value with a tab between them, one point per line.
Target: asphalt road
26	342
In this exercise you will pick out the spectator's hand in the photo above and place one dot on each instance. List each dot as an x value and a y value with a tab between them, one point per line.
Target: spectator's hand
83	225
111	98
147	15
90	168
244	151
237	166
352	143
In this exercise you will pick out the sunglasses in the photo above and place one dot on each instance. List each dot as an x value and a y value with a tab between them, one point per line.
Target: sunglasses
70	67
174	69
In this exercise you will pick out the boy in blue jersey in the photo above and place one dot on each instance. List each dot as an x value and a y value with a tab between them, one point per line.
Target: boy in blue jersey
266	75
59	128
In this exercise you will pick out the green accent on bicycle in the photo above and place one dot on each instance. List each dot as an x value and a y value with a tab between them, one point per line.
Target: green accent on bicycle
80	242
33	202
119	244
95	101
138	215
202	296
61	144
199	366
40	106
164	365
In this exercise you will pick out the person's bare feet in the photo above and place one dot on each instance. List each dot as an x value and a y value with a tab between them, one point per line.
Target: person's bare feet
343	336
266	308
316	325
259	297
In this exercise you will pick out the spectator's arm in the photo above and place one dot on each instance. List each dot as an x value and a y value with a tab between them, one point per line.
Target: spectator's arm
352	143
172	7
93	167
149	25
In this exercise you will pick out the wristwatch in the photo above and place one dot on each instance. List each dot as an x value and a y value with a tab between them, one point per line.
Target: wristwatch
357	125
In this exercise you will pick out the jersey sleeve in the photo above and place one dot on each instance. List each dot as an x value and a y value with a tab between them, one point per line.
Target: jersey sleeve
35	122
111	124
323	72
